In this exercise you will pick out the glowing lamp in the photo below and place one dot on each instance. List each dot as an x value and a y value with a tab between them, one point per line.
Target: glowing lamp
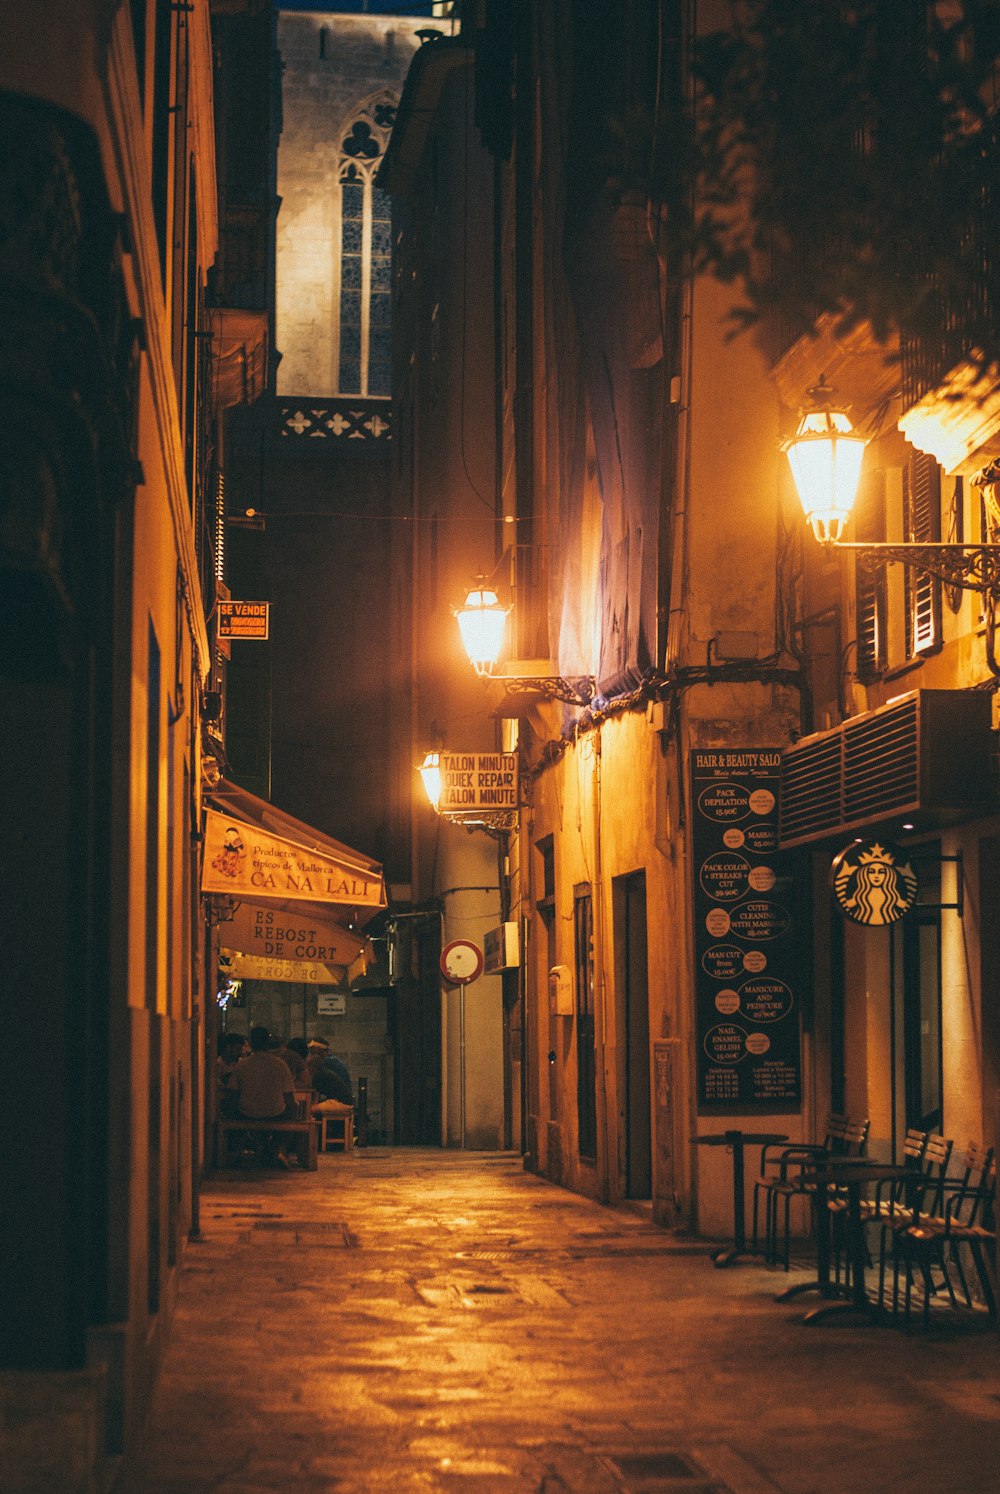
482	622
825	457
430	772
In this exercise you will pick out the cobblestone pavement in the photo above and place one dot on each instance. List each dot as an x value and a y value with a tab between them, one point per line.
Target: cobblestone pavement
420	1320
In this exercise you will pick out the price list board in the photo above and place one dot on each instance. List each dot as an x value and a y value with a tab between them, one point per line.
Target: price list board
746	966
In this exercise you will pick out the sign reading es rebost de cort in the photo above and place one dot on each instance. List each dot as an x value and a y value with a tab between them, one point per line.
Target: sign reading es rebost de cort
478	780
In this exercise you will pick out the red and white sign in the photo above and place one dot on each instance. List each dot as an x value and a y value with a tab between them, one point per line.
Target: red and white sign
461	962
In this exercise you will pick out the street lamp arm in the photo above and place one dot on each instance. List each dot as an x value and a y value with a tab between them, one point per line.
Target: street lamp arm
968	567
579	692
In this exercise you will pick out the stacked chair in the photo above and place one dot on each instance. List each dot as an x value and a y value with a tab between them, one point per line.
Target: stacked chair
785	1173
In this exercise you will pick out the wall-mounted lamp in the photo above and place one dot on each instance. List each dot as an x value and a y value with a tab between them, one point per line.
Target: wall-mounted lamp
825	457
430	773
482	622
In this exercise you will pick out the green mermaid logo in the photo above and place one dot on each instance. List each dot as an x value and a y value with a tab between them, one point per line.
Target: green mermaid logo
873	884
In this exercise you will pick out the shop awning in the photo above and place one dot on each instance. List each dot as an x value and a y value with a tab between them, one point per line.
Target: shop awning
267	859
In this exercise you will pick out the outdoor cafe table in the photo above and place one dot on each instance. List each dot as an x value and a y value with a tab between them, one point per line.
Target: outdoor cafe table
736	1141
851	1174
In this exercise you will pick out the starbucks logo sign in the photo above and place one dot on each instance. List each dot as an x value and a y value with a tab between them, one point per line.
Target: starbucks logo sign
874	883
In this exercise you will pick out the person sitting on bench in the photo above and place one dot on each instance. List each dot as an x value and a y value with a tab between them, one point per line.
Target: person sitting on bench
265	1091
331	1079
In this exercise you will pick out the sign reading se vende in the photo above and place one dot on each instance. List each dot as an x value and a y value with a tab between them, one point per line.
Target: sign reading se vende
243	619
478	780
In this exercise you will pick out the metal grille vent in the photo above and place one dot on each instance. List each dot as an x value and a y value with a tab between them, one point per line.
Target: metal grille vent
880	759
927	755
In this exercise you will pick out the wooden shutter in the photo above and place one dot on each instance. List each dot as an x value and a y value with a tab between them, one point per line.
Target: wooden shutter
922	520
870	589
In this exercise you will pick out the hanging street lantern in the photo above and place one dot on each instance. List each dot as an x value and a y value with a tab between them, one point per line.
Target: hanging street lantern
825	456
482	622
430	773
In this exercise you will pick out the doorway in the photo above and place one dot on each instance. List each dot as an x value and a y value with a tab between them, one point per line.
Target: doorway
586	1069
632	985
915	970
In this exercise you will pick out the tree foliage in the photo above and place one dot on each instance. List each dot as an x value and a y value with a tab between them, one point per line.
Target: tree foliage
842	161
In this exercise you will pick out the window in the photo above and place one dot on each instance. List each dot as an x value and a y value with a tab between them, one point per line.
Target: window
365	306
870	588
922	524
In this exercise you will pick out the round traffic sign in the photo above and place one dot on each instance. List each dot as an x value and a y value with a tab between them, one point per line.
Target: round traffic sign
461	961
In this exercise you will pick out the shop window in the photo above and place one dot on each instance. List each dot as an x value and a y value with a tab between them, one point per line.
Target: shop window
364	339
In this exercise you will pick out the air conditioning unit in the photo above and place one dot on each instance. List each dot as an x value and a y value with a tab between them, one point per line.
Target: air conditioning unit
927	759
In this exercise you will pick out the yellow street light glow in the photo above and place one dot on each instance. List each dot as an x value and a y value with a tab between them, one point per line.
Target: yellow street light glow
825	457
430	772
482	622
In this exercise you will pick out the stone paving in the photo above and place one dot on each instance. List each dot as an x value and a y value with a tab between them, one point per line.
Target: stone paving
422	1320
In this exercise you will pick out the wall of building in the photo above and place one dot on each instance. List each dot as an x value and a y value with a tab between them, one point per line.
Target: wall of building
107	560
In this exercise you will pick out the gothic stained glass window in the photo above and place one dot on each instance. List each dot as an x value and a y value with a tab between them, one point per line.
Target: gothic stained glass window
365	335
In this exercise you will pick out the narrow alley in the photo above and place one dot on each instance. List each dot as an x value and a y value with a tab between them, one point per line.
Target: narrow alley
428	1320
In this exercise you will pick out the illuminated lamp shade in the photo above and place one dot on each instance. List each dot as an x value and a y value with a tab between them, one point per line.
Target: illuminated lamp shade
482	622
430	772
825	457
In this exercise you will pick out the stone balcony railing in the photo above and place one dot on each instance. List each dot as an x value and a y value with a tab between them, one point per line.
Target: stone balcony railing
305	421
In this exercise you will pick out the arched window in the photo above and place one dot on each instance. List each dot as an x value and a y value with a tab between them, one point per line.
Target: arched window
365	333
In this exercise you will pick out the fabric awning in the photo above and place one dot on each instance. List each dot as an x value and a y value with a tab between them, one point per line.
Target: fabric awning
296	934
266	858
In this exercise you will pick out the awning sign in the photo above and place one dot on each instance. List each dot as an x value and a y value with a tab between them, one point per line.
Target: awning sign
477	780
283	934
874	883
244	619
232	964
242	861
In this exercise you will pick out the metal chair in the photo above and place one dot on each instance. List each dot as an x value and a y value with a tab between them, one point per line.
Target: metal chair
788	1177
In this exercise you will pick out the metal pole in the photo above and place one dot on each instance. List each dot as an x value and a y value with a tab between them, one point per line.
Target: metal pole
461	1065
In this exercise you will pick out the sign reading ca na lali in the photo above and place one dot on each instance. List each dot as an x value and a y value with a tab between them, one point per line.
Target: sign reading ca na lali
874	883
241	860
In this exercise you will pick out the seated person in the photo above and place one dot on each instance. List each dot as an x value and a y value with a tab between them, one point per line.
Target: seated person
331	1080
264	1088
232	1047
291	1056
329	1075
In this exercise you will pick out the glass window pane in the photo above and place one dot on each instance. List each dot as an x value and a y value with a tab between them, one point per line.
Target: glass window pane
353	201
379	379
350	308
350	271
382	238
350	377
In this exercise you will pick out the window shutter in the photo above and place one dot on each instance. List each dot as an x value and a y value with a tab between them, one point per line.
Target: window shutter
922	516
870	589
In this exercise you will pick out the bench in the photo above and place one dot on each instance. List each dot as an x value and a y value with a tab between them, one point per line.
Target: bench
304	1133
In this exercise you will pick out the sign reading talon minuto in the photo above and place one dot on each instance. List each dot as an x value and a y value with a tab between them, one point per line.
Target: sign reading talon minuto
746	944
874	883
